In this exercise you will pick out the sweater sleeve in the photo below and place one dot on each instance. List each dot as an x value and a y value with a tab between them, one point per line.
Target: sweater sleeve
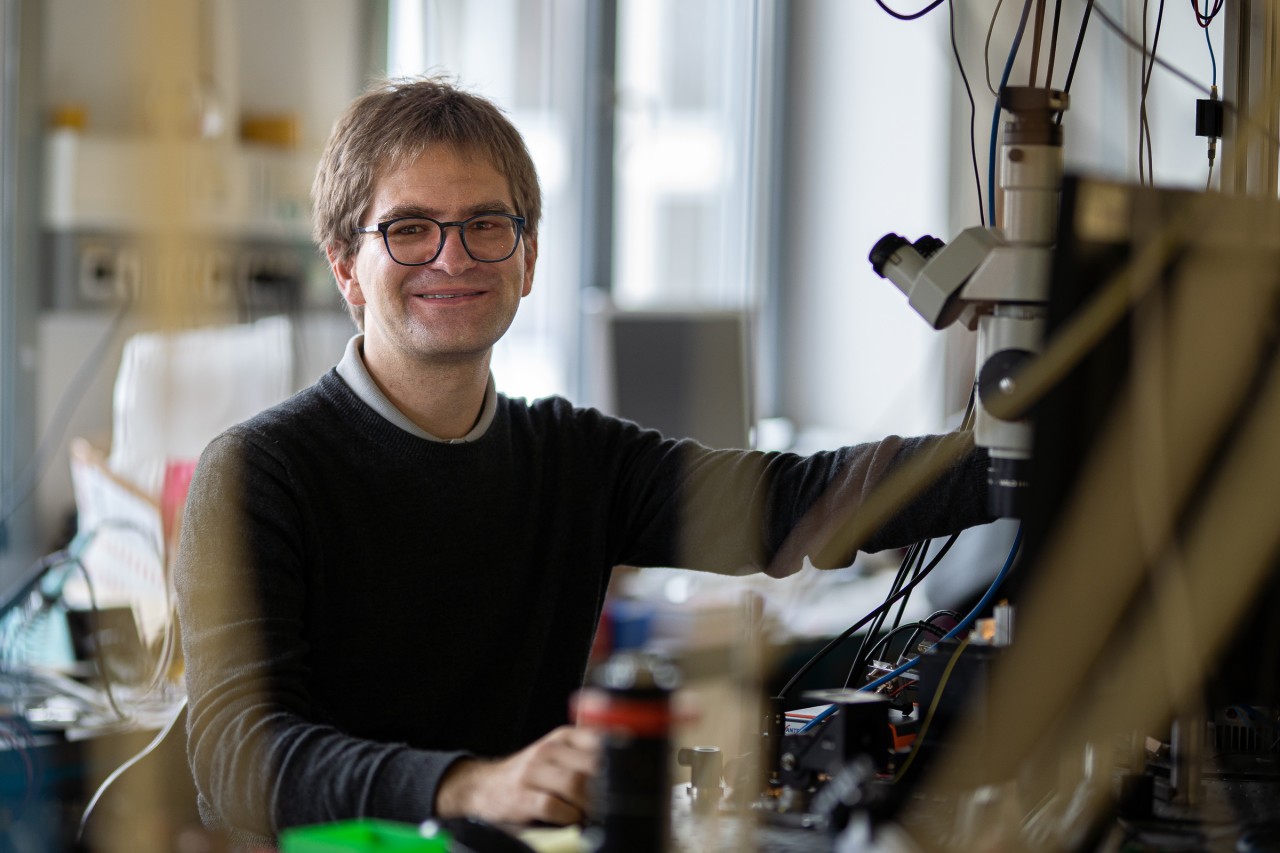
737	512
262	754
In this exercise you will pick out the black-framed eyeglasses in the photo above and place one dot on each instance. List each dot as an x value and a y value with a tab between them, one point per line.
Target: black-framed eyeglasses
416	240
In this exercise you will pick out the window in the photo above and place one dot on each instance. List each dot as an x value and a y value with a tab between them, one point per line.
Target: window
692	153
526	55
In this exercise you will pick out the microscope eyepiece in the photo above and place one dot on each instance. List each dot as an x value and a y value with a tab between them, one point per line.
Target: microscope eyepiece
883	250
928	245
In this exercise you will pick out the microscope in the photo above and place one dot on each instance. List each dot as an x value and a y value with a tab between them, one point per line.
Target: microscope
996	279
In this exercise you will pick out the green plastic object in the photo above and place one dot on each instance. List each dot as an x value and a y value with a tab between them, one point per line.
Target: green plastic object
364	836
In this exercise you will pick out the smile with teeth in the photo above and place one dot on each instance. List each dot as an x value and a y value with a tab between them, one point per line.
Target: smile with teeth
445	295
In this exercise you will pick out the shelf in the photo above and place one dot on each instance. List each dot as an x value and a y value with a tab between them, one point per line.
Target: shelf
119	184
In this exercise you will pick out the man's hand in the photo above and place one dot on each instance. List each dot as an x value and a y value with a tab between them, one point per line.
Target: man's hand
544	782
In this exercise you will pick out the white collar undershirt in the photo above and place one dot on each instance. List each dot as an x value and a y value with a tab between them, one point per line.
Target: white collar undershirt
353	371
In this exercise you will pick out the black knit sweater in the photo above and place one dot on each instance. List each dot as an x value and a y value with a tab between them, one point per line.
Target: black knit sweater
361	607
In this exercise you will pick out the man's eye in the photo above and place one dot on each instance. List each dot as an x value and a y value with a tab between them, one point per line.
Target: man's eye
407	229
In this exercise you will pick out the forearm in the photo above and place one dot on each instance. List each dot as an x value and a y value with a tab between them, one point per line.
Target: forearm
737	512
263	770
891	494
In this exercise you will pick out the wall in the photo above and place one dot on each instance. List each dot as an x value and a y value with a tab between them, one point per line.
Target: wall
879	141
867	144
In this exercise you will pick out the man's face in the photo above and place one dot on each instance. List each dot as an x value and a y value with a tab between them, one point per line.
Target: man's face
455	308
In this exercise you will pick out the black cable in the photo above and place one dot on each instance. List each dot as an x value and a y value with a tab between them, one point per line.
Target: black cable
882	645
912	16
861	662
1148	66
1146	86
914	627
910	647
910	565
1176	72
852	629
1037	34
902	605
1149	61
928	620
912	568
1053	43
970	409
1142	97
904	570
1266	132
33	472
973	113
908	570
954	614
1075	54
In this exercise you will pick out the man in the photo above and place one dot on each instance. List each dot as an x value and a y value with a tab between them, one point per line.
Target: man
388	584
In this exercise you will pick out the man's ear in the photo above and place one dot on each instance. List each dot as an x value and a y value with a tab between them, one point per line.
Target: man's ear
343	265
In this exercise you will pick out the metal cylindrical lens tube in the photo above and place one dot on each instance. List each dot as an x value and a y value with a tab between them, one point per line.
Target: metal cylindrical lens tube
1031	178
1007	341
1007	483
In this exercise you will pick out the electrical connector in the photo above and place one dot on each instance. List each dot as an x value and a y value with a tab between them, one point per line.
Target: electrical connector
1209	125
1209	116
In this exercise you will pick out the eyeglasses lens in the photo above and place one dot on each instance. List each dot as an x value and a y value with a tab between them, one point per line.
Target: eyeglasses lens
486	238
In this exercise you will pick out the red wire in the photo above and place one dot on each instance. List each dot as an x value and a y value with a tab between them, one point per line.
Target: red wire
1204	19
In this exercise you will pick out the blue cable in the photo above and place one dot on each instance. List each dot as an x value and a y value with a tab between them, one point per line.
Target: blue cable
995	117
960	626
1213	59
817	718
966	621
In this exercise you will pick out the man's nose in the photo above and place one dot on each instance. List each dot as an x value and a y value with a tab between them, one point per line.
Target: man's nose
453	257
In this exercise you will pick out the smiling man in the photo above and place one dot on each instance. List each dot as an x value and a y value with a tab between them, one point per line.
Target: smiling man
388	585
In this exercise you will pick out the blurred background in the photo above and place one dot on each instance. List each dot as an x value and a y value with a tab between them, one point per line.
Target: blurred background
727	157
714	171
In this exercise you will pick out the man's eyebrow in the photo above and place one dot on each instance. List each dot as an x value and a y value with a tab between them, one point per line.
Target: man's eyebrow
401	210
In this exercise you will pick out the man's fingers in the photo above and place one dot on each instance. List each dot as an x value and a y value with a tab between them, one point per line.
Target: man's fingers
548	808
586	742
563	764
576	749
562	782
547	781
